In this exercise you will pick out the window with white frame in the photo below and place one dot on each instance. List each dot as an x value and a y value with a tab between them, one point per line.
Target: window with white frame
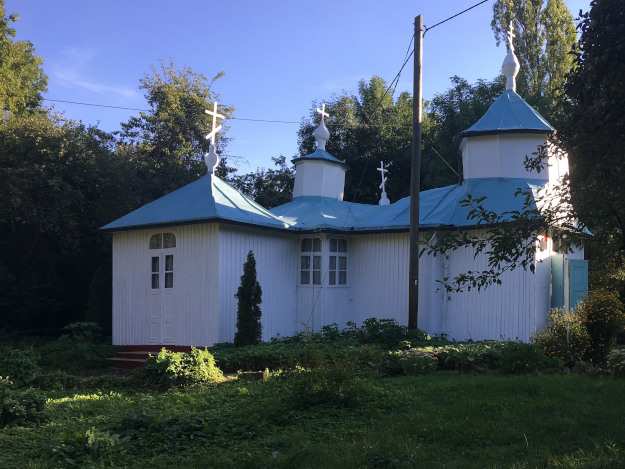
163	263
337	268
310	261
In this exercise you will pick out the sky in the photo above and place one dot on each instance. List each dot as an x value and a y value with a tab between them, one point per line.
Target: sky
279	56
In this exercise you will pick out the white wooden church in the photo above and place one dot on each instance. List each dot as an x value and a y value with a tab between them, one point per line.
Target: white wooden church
177	261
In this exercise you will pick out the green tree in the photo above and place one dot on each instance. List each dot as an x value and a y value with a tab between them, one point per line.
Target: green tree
249	295
593	134
268	187
21	78
167	144
448	114
373	127
59	182
544	37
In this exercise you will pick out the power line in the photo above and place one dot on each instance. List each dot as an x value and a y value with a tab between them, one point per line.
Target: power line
348	126
426	29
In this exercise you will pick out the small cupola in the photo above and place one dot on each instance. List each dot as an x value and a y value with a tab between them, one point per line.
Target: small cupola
319	174
497	144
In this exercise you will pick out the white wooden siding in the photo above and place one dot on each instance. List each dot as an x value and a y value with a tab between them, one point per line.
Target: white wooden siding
506	311
195	294
276	257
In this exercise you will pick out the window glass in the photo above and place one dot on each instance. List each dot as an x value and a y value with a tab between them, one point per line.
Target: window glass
316	277
169	280
169	263
156	241
310	265
169	240
337	265
155	273
342	278
305	277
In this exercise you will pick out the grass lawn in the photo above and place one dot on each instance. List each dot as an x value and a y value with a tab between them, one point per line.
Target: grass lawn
446	420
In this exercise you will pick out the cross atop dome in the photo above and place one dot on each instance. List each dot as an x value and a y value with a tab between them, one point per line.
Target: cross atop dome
511	64
321	133
511	36
211	159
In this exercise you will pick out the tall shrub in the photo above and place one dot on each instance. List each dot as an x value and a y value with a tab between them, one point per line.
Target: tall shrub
604	316
564	337
250	295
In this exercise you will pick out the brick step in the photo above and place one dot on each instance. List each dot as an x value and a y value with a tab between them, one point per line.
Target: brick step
134	356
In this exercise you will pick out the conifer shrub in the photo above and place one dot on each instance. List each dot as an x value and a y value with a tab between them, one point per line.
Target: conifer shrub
564	336
249	296
178	369
603	315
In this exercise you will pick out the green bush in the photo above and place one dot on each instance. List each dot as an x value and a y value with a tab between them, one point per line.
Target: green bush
178	369
92	448
564	336
415	362
616	362
520	358
340	381
75	352
603	315
18	365
56	381
18	406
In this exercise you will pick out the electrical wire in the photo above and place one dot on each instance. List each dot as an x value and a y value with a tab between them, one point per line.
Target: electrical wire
426	29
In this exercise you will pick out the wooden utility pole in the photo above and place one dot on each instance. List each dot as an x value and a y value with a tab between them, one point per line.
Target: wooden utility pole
415	178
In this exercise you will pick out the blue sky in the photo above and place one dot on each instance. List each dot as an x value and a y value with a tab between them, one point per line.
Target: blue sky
279	56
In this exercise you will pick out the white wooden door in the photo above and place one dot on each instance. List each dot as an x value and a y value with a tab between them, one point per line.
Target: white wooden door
162	297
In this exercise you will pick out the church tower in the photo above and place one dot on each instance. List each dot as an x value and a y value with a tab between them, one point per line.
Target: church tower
497	144
319	174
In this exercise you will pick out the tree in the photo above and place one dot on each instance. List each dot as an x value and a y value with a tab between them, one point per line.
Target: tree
59	182
249	295
268	187
450	113
167	144
365	130
593	134
374	127
544	38
21	79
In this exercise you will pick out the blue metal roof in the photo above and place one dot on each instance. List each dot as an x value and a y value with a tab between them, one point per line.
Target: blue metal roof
436	207
206	199
313	213
319	154
211	199
509	113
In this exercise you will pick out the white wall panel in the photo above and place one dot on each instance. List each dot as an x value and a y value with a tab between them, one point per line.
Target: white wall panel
192	304
276	267
506	311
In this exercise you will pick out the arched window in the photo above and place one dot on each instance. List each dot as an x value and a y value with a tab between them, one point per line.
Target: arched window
162	265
